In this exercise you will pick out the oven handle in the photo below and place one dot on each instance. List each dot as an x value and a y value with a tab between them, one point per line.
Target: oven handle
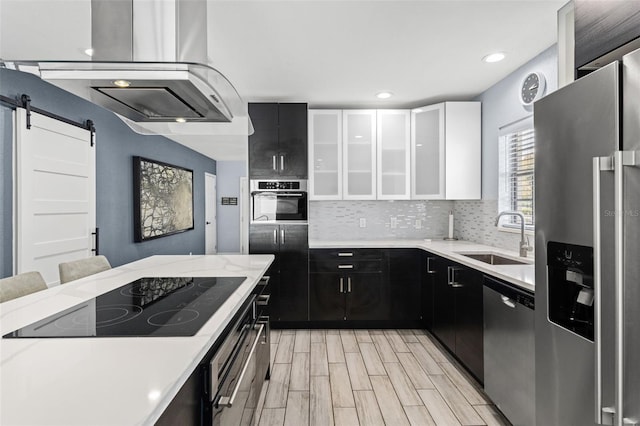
278	194
227	401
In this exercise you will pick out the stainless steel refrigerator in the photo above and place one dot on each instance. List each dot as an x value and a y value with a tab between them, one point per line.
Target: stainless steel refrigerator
587	200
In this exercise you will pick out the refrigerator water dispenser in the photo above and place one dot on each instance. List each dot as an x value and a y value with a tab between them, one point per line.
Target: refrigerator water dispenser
570	269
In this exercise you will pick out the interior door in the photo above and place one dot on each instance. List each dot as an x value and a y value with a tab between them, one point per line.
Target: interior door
210	197
55	193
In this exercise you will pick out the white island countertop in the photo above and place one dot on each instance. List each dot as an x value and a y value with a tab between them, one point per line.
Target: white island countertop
520	275
109	380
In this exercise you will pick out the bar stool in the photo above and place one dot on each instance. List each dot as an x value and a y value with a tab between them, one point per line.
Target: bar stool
70	271
21	285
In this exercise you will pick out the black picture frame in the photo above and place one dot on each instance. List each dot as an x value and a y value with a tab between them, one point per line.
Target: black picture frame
162	199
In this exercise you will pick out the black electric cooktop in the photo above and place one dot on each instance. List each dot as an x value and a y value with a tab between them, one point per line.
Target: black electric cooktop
151	307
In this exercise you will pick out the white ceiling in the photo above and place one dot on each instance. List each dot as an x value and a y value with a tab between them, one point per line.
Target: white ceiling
327	53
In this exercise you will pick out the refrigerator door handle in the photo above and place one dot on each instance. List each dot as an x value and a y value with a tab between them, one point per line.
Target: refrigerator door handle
621	159
604	415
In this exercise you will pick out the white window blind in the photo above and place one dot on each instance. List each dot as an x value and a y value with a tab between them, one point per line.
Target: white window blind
517	151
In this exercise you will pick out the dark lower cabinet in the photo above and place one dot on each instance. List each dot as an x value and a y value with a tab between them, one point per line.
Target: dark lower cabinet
469	320
405	284
348	285
289	279
458	312
426	290
444	306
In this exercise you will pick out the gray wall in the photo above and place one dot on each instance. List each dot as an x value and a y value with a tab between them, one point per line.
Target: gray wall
474	220
228	223
116	144
501	106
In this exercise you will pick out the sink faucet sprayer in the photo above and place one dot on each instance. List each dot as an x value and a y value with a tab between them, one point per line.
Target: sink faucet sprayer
524	243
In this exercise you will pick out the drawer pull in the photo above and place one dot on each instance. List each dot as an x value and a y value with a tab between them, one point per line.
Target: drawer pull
345	254
345	266
263	300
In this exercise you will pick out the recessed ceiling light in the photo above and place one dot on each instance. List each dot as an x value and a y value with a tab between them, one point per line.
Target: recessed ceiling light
181	120
89	51
122	83
358	136
384	95
494	57
417	110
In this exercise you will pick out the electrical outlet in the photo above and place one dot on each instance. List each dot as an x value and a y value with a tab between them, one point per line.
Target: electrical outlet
363	222
418	224
394	222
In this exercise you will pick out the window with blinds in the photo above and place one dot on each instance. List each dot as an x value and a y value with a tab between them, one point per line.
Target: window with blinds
517	168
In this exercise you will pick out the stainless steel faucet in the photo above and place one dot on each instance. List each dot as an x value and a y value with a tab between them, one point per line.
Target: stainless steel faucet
524	243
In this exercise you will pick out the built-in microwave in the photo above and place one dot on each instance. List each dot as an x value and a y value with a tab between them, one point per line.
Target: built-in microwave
278	201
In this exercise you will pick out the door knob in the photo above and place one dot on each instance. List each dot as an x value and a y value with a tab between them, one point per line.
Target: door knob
207	223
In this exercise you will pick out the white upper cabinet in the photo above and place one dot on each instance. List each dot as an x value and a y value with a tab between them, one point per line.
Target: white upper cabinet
446	151
427	153
325	154
394	178
359	154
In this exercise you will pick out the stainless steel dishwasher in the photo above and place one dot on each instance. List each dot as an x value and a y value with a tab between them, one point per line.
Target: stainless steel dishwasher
509	350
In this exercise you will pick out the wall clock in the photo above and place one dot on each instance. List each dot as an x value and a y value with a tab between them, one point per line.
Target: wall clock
532	88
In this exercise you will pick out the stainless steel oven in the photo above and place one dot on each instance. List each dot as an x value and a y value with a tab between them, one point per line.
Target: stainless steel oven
277	201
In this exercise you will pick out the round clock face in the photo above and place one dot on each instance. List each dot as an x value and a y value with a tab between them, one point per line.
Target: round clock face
532	88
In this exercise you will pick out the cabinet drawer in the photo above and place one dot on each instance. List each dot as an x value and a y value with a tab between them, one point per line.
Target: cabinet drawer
345	266
347	254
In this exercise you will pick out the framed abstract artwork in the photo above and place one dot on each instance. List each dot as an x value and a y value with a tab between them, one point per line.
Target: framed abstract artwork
162	199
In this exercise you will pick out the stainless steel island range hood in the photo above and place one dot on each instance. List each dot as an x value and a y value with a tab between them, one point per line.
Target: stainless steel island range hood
149	66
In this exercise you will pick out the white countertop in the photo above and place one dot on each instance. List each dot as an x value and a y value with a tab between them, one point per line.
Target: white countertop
520	275
105	380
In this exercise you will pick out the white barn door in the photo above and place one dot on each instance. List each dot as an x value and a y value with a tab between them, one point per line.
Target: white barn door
54	195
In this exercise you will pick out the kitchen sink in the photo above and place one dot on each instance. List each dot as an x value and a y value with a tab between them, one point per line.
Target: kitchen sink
494	259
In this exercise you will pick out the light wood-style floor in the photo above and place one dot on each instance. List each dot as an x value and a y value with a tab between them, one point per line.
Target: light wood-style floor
369	377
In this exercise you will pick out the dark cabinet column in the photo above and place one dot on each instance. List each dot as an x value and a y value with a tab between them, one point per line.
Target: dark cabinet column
293	293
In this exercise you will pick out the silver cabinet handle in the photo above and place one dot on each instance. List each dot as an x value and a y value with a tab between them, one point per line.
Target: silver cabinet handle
508	301
348	284
429	270
345	266
275	237
275	162
345	254
228	401
263	300
281	162
282	236
451	274
341	285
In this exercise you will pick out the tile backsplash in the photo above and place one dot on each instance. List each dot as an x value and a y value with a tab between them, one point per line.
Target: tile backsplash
475	221
340	220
